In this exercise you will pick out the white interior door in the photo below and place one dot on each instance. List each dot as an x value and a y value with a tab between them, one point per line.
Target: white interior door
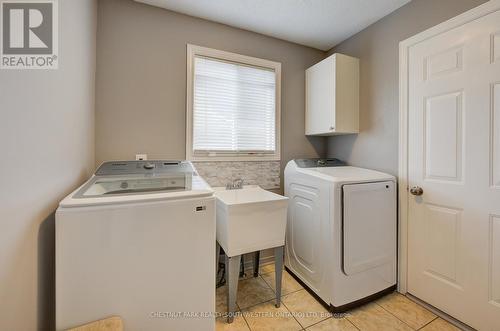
454	156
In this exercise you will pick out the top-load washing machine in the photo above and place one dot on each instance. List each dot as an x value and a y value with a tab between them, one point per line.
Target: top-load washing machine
341	236
137	241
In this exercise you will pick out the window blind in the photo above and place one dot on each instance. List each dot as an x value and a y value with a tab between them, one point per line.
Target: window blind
234	108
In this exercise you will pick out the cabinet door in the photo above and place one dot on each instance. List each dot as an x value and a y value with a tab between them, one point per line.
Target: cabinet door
320	97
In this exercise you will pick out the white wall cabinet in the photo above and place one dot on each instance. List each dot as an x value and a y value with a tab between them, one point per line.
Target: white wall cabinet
332	96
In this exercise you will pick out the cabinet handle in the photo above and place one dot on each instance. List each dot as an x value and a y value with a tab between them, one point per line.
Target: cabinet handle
332	128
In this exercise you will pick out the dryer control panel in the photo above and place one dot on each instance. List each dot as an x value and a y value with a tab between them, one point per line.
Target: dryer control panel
315	163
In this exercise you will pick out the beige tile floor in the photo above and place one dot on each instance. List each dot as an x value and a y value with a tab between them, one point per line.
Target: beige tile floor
301	311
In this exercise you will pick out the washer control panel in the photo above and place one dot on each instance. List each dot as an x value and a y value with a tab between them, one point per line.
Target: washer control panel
143	167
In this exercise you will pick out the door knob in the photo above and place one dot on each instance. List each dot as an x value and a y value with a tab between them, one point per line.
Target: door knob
416	190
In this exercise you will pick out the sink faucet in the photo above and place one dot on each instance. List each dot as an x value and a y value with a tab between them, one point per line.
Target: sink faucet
236	184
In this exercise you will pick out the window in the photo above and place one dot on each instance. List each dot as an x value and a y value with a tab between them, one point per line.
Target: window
233	108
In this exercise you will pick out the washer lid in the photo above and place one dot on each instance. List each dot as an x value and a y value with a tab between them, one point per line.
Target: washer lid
100	186
134	181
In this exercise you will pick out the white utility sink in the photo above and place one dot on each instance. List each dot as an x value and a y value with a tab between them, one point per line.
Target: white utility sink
250	219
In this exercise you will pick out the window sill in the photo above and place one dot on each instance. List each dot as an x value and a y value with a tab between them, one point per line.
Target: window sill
234	158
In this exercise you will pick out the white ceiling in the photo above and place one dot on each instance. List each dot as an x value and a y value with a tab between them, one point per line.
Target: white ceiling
320	24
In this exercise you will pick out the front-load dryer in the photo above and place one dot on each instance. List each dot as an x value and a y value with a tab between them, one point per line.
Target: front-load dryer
341	236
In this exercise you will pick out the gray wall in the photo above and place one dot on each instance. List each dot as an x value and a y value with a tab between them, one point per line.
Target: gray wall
377	47
47	144
141	80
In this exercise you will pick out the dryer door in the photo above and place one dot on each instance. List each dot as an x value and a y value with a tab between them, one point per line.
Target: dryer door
369	226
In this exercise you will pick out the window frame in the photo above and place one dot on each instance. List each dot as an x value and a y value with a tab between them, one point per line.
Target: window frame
192	52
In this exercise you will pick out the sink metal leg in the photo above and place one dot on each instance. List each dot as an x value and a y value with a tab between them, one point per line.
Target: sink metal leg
256	261
278	266
232	273
217	256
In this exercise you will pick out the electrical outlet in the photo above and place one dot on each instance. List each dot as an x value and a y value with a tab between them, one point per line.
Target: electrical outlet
141	157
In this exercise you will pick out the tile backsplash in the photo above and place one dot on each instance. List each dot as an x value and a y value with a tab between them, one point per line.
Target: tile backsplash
266	174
